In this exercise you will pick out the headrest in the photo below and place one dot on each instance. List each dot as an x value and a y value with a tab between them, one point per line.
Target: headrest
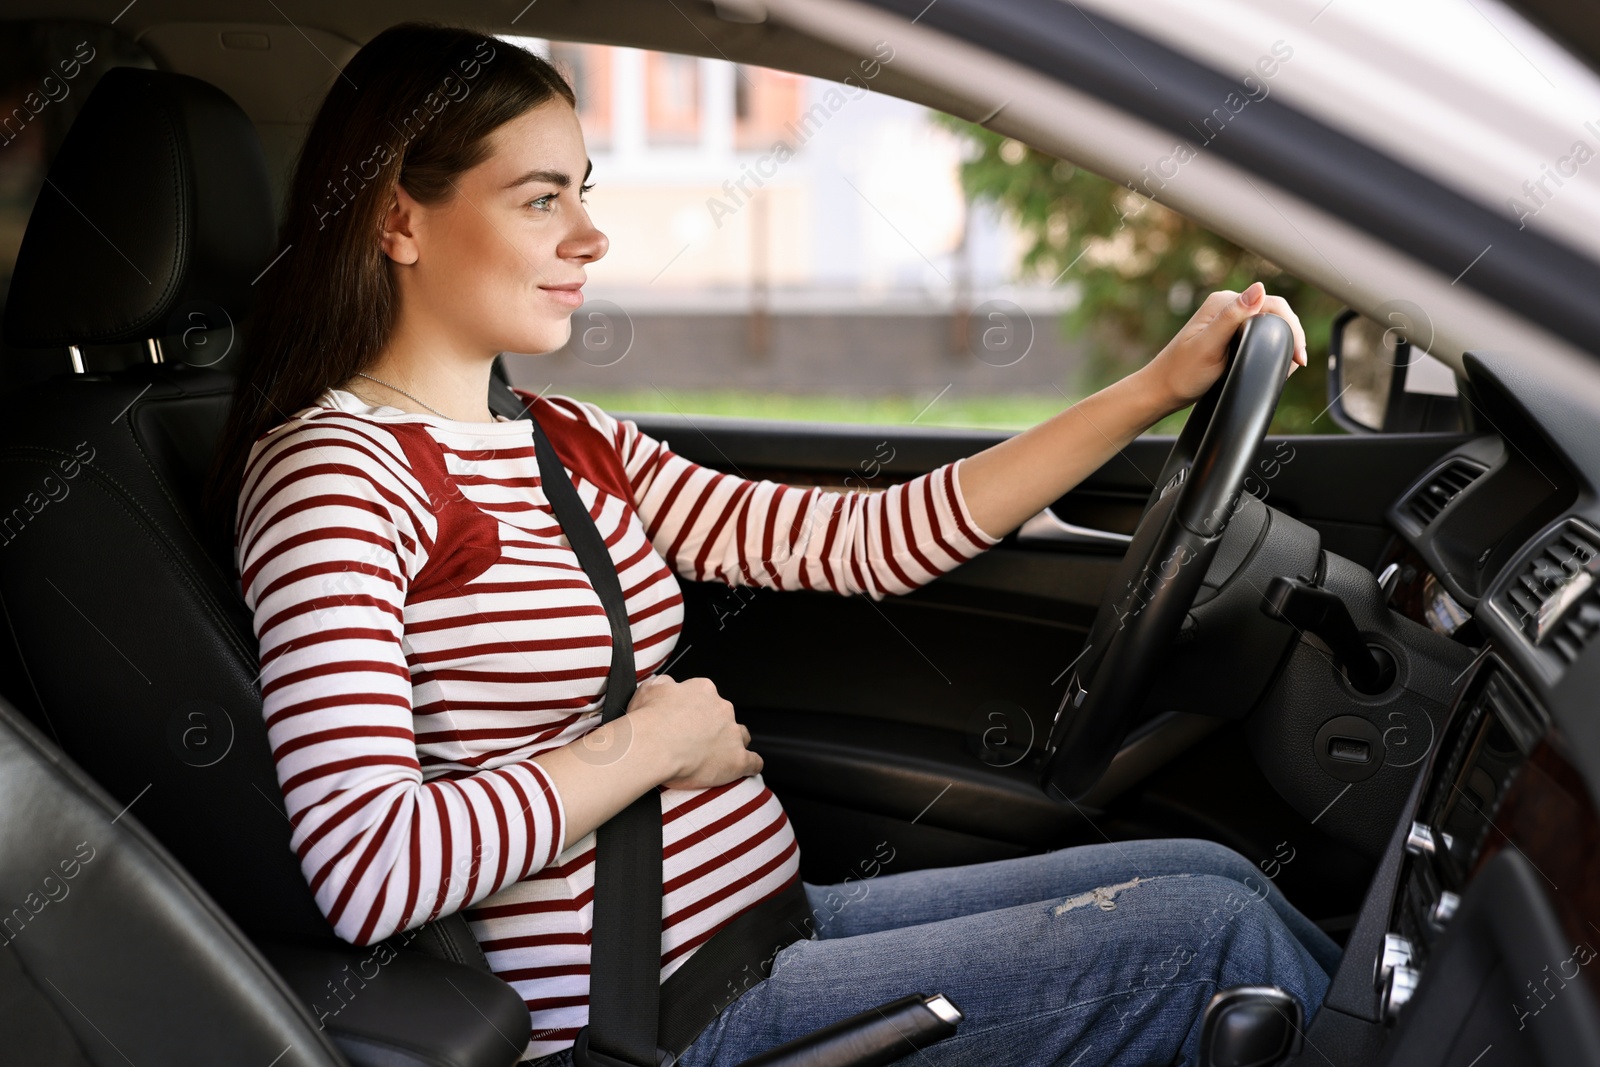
157	205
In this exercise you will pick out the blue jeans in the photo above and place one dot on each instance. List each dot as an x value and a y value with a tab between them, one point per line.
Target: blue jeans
1097	955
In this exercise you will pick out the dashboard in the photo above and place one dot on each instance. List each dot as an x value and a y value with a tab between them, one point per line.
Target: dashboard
1483	926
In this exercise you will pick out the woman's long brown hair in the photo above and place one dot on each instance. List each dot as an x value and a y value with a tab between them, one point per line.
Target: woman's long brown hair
414	107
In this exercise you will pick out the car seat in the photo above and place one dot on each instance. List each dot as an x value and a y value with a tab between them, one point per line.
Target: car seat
124	635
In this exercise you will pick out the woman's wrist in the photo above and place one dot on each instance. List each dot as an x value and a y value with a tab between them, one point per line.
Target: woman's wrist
1153	389
645	739
608	768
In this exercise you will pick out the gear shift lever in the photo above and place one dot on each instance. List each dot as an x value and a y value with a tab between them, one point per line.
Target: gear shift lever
1249	1026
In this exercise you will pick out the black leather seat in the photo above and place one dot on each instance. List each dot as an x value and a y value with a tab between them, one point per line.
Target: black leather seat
113	954
127	640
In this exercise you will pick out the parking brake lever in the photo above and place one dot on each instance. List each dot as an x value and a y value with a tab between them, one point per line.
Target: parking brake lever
1317	611
874	1038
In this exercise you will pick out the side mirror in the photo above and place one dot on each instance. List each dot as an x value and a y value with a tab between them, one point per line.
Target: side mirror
1379	382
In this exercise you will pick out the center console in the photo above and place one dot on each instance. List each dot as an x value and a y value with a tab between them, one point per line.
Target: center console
1482	925
1488	742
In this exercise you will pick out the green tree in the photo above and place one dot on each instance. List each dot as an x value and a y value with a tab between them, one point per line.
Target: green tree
1142	268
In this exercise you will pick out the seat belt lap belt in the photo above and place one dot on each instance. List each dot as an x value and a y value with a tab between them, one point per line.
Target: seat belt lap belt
627	1025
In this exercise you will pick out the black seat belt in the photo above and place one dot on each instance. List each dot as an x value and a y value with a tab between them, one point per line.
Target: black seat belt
627	1027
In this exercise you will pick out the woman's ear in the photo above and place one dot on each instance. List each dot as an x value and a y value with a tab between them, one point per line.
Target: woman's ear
398	238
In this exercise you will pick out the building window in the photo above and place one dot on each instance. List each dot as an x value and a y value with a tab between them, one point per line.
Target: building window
766	103
672	98
587	67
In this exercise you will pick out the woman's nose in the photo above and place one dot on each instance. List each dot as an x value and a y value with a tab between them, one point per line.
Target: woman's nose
586	242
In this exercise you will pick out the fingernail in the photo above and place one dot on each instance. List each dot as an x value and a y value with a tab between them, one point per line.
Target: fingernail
1252	294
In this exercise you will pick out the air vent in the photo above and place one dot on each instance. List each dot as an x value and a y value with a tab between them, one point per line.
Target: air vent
1556	597
1443	486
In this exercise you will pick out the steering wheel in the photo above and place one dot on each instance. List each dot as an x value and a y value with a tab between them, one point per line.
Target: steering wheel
1151	593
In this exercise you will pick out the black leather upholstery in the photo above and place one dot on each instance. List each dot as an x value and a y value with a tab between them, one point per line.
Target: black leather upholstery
157	202
390	1008
131	645
112	954
137	646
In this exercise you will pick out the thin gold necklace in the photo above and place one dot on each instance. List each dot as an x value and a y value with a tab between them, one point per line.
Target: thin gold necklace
402	392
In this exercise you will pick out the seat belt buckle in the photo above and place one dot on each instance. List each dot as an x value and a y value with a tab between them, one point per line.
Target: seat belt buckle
584	1056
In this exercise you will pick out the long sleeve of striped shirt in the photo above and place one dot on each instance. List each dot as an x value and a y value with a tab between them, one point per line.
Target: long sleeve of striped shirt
426	630
715	526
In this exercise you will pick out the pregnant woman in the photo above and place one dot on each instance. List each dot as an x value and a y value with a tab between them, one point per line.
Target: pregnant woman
434	657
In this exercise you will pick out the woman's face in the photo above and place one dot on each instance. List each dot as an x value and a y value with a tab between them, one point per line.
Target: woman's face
497	268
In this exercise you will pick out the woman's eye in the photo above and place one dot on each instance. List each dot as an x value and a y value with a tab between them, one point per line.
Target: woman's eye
582	190
542	202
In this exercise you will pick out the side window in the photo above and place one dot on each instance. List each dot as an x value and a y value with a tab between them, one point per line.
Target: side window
790	247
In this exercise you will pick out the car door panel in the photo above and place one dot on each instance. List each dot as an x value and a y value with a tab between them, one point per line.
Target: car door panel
917	721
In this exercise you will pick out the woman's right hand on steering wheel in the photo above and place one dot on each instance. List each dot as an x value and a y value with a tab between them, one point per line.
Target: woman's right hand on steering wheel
1196	356
695	727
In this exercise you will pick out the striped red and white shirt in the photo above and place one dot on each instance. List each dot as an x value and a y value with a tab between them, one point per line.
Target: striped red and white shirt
425	628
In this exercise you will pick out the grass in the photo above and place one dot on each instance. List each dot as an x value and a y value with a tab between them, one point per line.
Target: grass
990	412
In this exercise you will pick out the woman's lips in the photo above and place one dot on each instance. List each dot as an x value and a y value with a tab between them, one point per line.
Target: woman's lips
570	296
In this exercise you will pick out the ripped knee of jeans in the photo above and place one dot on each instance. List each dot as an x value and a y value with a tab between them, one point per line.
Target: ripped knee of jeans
1105	898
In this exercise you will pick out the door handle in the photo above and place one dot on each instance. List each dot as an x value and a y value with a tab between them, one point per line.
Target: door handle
1047	528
